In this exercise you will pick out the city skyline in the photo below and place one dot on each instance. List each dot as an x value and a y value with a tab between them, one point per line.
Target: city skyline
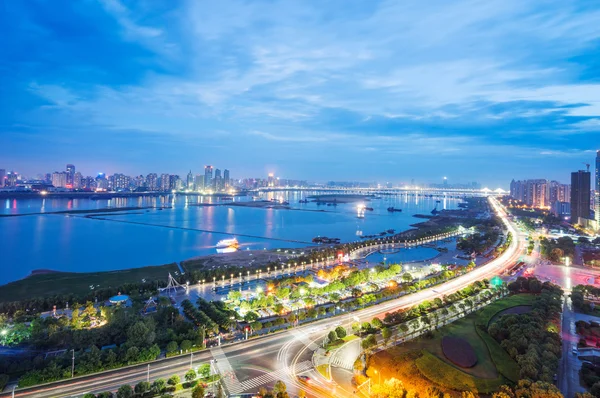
302	91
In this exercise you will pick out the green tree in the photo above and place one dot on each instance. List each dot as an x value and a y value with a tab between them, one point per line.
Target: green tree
174	380
89	395
141	333
186	345
376	323
190	375
142	387
158	386
340	331
386	333
332	336
172	347
204	370
125	391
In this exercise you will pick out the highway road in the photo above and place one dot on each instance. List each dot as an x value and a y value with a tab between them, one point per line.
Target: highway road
249	365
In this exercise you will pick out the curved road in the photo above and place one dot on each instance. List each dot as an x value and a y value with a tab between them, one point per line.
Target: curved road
249	365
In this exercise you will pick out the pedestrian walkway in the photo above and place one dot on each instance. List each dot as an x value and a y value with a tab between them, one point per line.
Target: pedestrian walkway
280	374
344	363
232	384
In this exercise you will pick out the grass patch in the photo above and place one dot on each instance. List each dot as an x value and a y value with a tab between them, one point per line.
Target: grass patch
505	365
340	342
43	285
447	376
324	371
485	315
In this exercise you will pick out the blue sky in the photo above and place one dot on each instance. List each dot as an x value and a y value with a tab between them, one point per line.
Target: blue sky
347	90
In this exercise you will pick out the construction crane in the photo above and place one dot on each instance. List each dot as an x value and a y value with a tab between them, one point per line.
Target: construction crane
587	165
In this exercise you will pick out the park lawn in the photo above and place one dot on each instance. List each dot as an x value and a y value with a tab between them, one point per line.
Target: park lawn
450	377
425	357
43	285
485	315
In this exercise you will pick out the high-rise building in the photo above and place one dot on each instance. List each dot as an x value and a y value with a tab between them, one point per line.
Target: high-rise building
190	181
70	175
59	179
152	182
119	182
101	182
174	182
580	196
2	177
208	176
77	180
199	182
165	181
217	180
11	179
597	192
534	193
271	180
226	182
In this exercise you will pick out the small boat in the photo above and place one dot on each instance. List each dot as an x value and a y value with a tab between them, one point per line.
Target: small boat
228	244
369	208
392	209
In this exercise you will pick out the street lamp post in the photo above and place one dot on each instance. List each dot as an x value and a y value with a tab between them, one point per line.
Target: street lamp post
73	364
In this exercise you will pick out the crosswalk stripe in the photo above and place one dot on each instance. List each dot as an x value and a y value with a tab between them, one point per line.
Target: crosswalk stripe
228	377
274	376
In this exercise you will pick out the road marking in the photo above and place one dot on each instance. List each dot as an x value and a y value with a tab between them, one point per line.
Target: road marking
273	376
232	384
303	338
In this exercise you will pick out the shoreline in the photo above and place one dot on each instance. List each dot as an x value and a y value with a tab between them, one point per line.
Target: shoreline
215	257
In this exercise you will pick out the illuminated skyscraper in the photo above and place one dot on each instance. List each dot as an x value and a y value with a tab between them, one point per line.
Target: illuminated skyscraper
70	175
2	177
190	181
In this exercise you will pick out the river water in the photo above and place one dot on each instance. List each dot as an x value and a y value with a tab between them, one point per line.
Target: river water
153	237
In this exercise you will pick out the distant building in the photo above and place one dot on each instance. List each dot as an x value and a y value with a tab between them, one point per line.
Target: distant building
190	181
152	182
2	177
77	180
101	182
226	182
534	193
580	196
59	179
174	182
165	180
11	179
217	180
70	175
199	182
561	210
208	176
